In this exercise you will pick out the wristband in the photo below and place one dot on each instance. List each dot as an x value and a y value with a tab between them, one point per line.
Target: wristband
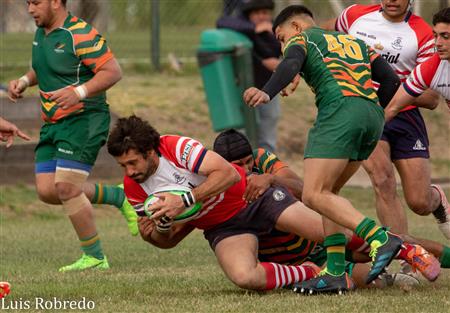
81	92
24	79
188	199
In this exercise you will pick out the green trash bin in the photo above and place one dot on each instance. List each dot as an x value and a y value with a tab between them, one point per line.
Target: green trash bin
225	59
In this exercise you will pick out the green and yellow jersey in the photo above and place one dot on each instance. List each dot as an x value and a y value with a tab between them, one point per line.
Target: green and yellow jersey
336	65
67	57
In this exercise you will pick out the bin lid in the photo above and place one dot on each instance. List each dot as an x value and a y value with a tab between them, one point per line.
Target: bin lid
222	40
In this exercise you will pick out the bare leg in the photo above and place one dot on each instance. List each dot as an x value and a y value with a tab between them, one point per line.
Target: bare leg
381	172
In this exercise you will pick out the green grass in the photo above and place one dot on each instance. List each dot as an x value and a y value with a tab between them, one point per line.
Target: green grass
184	279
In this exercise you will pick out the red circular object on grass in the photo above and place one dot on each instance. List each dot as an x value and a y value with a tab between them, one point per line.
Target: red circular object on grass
5	288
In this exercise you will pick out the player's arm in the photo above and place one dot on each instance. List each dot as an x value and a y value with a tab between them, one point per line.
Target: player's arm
428	100
105	77
285	73
163	240
287	178
401	100
220	175
389	82
17	86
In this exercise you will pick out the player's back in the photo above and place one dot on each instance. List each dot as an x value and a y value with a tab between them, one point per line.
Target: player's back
336	66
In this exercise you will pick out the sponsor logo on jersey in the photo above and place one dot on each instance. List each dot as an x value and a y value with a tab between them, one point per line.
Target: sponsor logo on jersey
391	58
186	151
378	46
397	43
178	178
278	195
419	146
59	47
35	43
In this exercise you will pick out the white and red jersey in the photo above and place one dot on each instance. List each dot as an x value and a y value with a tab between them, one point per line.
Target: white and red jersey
433	73
404	44
179	161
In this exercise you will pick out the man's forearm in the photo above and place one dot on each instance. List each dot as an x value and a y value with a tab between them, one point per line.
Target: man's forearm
215	183
109	74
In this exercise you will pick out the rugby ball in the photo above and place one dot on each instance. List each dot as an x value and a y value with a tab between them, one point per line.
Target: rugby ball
189	213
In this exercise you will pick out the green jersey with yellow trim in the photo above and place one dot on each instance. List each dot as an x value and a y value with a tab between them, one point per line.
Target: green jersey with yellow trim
336	65
67	57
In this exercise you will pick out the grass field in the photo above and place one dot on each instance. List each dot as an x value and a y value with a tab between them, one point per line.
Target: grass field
37	239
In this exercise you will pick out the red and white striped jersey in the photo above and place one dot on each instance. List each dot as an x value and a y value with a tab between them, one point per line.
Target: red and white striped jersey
433	73
179	162
404	44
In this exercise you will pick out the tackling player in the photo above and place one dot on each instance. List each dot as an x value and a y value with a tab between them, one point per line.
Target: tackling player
339	69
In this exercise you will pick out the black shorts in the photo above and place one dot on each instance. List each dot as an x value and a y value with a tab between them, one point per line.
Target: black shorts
258	218
407	136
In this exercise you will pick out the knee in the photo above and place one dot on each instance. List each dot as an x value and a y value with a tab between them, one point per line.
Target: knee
66	191
47	194
246	279
419	205
310	198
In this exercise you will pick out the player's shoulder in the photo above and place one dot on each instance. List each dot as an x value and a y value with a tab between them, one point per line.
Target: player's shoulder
352	13
430	65
423	30
357	10
173	141
78	26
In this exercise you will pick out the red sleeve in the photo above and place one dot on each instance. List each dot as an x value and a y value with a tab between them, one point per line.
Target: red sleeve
134	192
425	39
422	76
351	14
185	152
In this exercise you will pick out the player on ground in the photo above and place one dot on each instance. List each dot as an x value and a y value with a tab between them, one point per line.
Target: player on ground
263	170
339	69
154	163
404	40
73	67
433	73
8	131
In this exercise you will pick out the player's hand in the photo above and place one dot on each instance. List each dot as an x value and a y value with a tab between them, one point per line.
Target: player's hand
168	205
15	89
65	98
289	90
8	131
146	227
256	186
254	97
262	27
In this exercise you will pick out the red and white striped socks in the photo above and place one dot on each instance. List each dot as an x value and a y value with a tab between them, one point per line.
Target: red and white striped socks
278	276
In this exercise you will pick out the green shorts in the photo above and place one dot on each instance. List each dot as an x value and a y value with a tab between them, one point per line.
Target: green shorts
348	129
77	138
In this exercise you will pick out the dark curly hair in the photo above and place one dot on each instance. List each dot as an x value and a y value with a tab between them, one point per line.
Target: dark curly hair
132	133
443	16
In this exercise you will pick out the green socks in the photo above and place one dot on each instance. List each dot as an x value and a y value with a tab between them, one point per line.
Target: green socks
92	246
369	231
445	258
109	194
335	245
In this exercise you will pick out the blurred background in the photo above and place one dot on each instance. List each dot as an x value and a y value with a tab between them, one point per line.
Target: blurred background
156	43
128	26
